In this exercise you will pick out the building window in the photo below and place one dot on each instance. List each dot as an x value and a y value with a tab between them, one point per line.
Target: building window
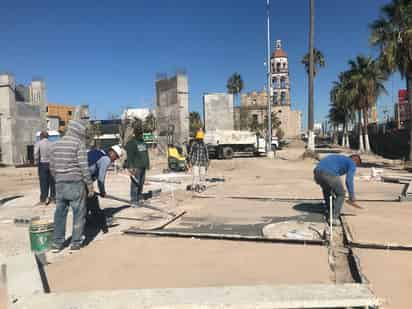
62	123
275	98
255	118
47	109
69	113
282	98
283	83
278	67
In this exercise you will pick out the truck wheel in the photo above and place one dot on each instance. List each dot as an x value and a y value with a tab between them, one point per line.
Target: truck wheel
227	153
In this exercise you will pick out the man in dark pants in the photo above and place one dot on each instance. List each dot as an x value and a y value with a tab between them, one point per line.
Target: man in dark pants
327	175
99	162
42	159
137	163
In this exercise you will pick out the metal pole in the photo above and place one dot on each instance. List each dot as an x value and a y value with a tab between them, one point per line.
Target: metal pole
311	74
269	84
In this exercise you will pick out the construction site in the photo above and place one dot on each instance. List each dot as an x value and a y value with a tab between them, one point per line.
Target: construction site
256	238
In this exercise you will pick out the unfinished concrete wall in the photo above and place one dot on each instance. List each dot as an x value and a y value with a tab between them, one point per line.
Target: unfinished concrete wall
7	118
172	108
28	122
19	121
218	111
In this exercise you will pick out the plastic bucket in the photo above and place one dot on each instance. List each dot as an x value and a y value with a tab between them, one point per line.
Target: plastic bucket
41	235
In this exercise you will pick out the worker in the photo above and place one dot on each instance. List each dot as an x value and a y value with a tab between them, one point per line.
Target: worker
42	159
99	162
327	175
68	164
199	162
137	163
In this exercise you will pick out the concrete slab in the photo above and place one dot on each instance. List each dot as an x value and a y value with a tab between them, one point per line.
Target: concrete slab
23	278
390	275
264	296
128	262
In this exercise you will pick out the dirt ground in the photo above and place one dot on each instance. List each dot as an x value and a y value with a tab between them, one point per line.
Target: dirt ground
115	260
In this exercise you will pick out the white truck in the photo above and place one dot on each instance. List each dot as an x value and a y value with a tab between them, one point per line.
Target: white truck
224	144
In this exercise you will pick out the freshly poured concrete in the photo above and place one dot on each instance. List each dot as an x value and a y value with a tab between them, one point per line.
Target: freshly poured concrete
130	262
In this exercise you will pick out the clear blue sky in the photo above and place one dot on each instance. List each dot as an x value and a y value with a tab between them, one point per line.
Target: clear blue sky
107	53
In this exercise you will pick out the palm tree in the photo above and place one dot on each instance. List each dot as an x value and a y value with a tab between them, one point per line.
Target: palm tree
235	85
392	32
319	61
367	80
342	108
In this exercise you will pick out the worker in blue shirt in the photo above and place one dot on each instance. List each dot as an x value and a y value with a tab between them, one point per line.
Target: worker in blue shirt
327	175
99	163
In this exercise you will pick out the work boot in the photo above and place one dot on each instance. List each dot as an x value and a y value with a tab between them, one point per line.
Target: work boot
75	247
56	248
336	222
203	188
197	189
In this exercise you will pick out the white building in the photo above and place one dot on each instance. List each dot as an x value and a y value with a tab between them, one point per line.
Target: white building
140	113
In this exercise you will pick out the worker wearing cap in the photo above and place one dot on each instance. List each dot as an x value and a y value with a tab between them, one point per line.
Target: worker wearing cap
99	162
327	175
199	162
137	163
42	159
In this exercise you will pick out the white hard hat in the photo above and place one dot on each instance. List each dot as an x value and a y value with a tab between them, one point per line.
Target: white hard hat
117	149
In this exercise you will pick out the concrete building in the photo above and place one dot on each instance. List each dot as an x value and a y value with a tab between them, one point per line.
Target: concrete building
22	115
65	113
253	107
172	108
218	111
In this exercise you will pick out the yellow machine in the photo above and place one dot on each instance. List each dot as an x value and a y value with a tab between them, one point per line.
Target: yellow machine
176	159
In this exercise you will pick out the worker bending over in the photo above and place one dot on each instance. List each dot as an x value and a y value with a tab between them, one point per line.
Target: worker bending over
137	163
199	162
327	175
99	162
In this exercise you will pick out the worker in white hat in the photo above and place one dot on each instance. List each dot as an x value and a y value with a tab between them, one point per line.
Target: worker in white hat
99	163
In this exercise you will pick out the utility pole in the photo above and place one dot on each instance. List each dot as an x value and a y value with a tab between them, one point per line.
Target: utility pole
269	151
311	136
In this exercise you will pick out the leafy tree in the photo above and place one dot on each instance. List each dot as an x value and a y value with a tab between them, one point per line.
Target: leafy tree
235	85
195	123
149	124
392	33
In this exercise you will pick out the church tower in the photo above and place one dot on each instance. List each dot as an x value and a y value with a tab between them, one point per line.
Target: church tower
280	76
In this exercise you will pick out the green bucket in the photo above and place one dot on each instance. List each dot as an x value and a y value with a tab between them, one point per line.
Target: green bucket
41	235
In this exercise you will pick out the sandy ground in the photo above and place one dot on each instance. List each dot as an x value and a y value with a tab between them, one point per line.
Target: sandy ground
383	223
114	260
390	274
144	262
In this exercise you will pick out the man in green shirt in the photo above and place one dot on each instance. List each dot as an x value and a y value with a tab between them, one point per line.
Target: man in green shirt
137	163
